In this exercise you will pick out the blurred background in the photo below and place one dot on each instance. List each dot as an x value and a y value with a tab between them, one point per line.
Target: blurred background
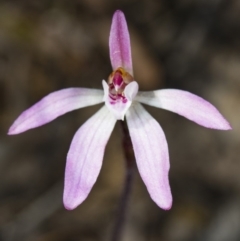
191	45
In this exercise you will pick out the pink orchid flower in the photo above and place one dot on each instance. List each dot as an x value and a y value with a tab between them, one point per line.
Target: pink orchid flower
121	96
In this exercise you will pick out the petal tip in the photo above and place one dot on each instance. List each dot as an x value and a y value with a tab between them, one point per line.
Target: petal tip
69	205
167	206
118	12
118	15
70	202
13	131
227	127
222	125
10	132
165	203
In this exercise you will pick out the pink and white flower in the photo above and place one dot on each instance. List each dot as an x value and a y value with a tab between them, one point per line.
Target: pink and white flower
122	98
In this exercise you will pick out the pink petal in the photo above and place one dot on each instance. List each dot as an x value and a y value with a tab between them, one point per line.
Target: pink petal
151	152
84	159
186	104
119	43
54	105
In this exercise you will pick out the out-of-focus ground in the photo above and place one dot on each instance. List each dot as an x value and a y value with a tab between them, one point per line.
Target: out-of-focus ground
192	45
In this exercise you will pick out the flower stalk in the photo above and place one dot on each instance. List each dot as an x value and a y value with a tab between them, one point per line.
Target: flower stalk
129	174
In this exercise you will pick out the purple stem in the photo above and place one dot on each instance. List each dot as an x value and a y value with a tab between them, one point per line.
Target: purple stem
129	157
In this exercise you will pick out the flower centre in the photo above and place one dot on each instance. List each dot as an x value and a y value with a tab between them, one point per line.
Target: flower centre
117	81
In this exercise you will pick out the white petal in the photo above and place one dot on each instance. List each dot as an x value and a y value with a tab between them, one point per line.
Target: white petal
84	159
186	104
54	105
131	90
105	90
151	152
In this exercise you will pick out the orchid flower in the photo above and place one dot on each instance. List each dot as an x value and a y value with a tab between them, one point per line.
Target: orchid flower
122	98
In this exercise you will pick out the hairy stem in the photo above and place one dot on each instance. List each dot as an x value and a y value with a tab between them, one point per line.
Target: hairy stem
129	158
